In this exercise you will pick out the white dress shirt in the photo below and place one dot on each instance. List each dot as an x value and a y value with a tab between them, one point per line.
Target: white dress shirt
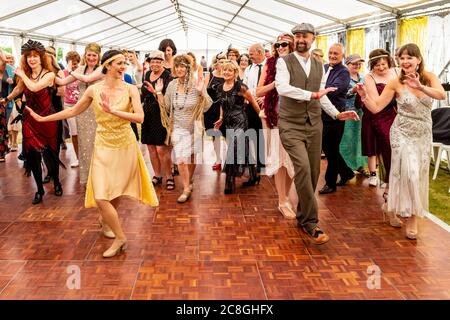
282	84
251	76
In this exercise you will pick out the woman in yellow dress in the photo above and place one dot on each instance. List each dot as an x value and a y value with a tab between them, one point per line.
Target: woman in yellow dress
117	166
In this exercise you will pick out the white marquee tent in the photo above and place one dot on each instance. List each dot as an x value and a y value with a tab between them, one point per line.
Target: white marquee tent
203	27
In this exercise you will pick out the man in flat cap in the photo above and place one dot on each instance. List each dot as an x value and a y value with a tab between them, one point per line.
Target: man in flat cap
300	82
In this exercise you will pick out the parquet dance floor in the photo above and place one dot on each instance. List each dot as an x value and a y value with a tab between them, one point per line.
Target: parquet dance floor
215	246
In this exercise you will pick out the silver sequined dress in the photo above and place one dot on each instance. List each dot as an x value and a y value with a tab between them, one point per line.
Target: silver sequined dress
411	140
86	127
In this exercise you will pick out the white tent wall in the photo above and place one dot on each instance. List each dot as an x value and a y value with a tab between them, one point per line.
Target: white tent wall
437	50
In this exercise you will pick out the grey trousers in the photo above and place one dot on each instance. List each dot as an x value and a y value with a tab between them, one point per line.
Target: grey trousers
303	143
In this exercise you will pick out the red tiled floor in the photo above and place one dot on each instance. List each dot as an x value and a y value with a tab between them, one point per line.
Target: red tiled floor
215	246
198	280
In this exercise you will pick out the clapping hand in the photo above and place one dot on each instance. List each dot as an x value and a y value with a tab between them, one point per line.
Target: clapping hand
69	66
104	103
34	115
200	84
259	100
413	81
348	115
19	72
149	86
159	85
262	114
325	91
361	90
218	124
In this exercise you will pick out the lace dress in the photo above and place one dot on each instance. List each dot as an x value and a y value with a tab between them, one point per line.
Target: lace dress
411	140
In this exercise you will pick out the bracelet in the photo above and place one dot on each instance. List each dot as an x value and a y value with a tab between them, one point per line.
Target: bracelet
337	116
158	92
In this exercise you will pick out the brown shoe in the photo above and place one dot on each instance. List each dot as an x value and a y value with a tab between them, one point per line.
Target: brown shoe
318	236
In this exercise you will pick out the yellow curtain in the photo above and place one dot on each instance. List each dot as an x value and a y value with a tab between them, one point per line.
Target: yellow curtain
322	43
413	30
355	43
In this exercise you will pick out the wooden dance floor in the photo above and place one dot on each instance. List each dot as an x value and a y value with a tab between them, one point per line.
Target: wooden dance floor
215	246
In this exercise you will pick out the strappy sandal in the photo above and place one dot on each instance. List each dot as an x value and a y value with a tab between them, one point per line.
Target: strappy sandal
170	184
157	180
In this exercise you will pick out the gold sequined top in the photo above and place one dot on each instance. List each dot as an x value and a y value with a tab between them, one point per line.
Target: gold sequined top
112	132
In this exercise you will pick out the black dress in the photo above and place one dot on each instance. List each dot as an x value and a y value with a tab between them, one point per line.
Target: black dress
213	114
153	132
236	123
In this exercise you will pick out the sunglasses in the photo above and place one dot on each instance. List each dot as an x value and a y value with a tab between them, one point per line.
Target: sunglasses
282	44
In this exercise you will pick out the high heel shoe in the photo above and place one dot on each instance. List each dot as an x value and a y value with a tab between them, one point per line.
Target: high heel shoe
394	221
106	230
254	178
230	185
286	210
252	181
411	228
184	196
117	247
37	198
58	190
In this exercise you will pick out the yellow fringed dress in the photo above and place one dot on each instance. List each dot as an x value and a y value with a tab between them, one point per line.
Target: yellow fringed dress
117	166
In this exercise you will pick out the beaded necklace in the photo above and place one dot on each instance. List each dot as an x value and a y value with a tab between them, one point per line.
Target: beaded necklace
37	77
176	103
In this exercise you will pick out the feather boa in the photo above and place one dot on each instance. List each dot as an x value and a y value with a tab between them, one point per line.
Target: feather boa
270	104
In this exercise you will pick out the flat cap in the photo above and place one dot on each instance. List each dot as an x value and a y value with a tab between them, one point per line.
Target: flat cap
303	27
353	58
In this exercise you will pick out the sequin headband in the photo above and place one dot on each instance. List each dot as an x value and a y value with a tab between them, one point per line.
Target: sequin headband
380	56
184	64
112	59
32	45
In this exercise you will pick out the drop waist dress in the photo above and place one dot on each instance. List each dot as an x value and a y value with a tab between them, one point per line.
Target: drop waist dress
117	166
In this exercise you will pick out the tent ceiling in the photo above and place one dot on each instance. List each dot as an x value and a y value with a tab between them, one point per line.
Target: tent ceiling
140	23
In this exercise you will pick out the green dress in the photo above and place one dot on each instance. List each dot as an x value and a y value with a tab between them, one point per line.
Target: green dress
350	146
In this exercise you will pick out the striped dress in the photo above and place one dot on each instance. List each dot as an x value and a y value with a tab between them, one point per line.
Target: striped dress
186	140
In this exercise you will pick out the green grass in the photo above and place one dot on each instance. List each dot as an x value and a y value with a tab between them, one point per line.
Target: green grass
439	195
